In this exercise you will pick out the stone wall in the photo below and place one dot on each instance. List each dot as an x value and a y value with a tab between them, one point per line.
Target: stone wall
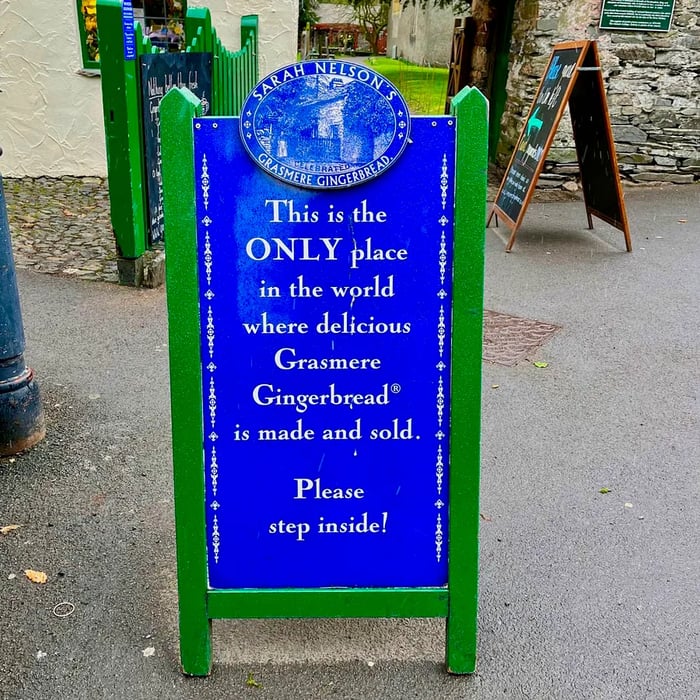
652	81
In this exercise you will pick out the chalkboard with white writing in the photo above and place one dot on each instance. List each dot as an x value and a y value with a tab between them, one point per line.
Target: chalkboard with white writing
161	72
573	76
540	124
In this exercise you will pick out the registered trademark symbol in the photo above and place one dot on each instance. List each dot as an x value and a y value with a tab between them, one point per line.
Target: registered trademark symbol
395	388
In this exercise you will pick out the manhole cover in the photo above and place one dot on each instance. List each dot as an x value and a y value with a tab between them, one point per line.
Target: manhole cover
509	339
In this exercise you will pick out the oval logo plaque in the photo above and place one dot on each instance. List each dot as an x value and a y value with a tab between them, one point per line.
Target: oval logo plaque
325	124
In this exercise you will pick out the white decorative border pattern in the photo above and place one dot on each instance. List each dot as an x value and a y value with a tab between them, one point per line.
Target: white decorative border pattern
212	467
443	377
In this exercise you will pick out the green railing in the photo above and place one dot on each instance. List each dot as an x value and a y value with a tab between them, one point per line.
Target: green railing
227	94
234	74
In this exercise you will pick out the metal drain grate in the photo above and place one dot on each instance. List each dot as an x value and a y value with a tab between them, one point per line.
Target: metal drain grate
509	339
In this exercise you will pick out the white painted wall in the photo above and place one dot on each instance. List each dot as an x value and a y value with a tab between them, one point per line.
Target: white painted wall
420	36
329	13
277	25
51	114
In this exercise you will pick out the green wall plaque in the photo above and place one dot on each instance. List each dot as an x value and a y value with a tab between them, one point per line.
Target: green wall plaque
637	15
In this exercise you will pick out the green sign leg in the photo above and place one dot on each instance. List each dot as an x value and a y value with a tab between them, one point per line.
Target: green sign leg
121	92
177	110
471	109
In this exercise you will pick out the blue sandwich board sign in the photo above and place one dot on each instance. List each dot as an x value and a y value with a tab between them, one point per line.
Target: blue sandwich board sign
322	265
325	343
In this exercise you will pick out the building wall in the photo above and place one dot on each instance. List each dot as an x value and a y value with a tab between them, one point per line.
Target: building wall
51	111
50	114
423	37
652	82
277	26
330	13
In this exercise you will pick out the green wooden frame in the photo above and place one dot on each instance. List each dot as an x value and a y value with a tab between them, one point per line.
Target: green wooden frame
88	63
234	76
121	107
198	604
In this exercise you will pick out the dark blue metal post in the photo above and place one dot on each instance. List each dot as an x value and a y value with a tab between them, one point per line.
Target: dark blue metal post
21	415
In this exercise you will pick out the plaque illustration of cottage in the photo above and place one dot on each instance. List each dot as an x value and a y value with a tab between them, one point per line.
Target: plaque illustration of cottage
328	123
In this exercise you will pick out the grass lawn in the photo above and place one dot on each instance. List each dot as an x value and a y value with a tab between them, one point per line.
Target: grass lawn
424	89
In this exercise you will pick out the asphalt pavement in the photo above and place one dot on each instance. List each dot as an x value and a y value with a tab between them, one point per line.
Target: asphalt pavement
590	545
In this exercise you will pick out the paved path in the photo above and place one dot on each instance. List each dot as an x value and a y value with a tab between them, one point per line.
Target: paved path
584	595
61	226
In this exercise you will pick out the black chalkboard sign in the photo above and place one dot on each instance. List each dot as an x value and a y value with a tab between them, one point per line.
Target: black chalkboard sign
595	148
159	73
572	76
540	126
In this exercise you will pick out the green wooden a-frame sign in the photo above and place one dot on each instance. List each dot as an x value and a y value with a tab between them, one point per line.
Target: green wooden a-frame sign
199	603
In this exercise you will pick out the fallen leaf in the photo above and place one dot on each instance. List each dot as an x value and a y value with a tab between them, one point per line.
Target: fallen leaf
541	365
68	212
36	576
9	528
149	651
251	682
605	489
